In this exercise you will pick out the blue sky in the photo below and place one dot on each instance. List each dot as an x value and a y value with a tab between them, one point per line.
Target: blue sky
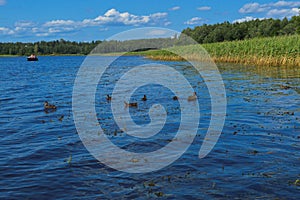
86	20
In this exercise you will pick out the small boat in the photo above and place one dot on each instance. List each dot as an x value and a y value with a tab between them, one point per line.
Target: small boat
32	57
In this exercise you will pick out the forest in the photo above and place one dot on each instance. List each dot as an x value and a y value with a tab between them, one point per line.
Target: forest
202	34
245	30
56	47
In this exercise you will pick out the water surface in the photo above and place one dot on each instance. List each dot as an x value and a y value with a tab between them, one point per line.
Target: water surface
257	155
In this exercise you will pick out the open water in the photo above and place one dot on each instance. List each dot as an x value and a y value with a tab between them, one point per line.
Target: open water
42	157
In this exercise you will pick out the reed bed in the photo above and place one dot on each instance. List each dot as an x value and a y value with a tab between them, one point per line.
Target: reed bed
272	51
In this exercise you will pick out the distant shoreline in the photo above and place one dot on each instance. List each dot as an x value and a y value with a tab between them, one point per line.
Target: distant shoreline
271	51
44	55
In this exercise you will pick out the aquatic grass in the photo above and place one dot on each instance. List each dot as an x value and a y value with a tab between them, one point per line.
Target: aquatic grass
69	160
297	182
271	51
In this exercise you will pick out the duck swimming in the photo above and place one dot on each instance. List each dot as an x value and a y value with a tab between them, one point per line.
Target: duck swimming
193	97
175	98
130	104
48	106
108	98
285	87
144	98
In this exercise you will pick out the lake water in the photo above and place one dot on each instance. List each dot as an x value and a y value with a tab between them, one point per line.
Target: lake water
42	156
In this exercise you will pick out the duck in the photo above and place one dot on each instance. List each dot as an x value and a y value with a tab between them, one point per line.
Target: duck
144	98
108	98
134	104
61	118
175	98
285	87
48	106
193	97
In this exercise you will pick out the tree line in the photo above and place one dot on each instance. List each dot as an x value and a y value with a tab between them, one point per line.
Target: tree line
245	30
135	45
202	34
61	46
47	48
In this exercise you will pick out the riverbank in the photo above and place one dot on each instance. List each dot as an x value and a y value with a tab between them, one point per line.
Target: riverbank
271	51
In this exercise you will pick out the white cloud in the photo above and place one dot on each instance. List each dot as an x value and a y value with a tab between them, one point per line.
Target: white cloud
6	31
204	8
246	19
194	21
89	22
286	4
21	27
110	18
60	30
254	8
275	9
34	30
42	34
114	17
158	15
60	23
167	23
24	24
2	2
174	8
283	12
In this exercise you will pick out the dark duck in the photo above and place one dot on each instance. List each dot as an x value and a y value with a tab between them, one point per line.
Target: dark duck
48	106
